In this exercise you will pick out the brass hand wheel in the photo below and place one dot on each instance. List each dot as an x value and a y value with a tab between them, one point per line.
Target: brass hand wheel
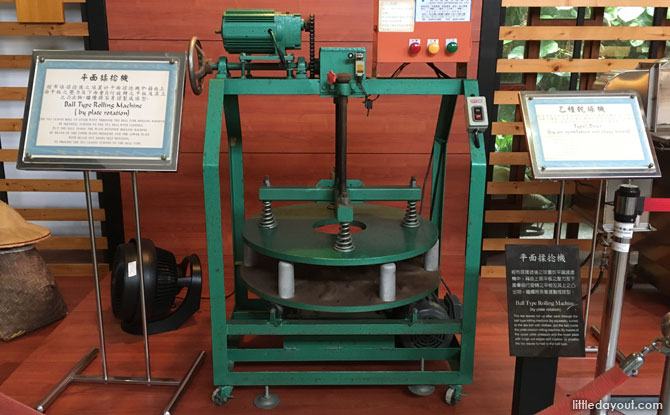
204	66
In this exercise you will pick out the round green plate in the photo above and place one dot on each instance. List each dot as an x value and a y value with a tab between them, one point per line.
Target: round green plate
382	240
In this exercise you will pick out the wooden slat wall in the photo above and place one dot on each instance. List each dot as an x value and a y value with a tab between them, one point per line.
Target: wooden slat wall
14	61
64	1
584	3
289	138
43	29
63	245
508	211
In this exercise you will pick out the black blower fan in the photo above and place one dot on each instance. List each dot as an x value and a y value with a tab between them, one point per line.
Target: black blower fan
163	280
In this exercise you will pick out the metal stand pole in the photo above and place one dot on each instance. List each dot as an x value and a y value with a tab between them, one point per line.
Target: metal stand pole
625	202
664	398
94	257
140	265
74	375
184	383
66	380
535	377
620	357
559	222
596	225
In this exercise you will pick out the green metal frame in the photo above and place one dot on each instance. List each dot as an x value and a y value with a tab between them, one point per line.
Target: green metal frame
345	339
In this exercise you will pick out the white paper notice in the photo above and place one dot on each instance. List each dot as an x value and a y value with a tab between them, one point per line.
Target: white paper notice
576	132
103	108
132	268
443	10
396	15
663	102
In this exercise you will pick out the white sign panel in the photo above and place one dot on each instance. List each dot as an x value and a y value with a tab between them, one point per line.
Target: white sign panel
396	16
109	108
443	10
587	134
103	111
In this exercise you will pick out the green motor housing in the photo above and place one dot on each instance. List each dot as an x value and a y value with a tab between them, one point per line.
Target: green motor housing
247	31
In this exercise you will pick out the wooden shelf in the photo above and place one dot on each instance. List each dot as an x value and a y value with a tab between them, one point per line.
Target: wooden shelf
585	33
43	29
47	185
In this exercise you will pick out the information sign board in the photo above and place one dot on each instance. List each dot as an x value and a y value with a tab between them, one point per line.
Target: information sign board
587	134
544	301
91	110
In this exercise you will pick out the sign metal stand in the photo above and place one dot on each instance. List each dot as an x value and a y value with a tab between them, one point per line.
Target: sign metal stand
74	375
582	135
120	124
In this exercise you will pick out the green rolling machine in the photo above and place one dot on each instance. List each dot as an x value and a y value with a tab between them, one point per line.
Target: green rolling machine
370	296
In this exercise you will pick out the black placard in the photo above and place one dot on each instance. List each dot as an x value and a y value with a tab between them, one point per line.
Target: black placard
544	301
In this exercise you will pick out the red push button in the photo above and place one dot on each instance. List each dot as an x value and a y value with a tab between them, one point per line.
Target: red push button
414	48
478	114
332	77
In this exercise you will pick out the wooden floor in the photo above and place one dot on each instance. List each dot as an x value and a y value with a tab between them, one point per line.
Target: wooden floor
172	353
74	289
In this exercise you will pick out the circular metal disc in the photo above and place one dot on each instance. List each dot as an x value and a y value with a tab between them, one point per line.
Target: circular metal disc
421	390
268	401
341	289
382	240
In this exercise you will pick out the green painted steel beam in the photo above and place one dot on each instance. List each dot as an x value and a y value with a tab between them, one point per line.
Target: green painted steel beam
212	189
360	377
414	86
397	86
325	194
342	354
473	240
340	327
268	86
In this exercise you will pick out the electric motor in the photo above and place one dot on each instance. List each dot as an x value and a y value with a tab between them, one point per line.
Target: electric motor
252	31
433	308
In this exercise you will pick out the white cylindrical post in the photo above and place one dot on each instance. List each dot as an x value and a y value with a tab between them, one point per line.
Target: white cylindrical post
431	259
249	256
387	282
286	280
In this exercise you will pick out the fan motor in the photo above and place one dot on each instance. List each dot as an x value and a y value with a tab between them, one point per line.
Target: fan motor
163	280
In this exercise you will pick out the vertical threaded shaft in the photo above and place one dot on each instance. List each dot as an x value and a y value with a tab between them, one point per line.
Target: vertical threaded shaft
268	220
344	242
411	219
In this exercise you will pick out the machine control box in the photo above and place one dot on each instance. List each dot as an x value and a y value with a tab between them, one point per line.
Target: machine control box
476	118
341	60
422	31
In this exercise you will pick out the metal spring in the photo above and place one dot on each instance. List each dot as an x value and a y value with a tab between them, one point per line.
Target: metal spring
411	219
268	220
344	242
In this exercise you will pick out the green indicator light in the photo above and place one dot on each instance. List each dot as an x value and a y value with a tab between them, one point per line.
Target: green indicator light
452	47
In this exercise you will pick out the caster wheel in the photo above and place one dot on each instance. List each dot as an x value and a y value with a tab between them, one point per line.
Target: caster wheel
221	395
452	395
